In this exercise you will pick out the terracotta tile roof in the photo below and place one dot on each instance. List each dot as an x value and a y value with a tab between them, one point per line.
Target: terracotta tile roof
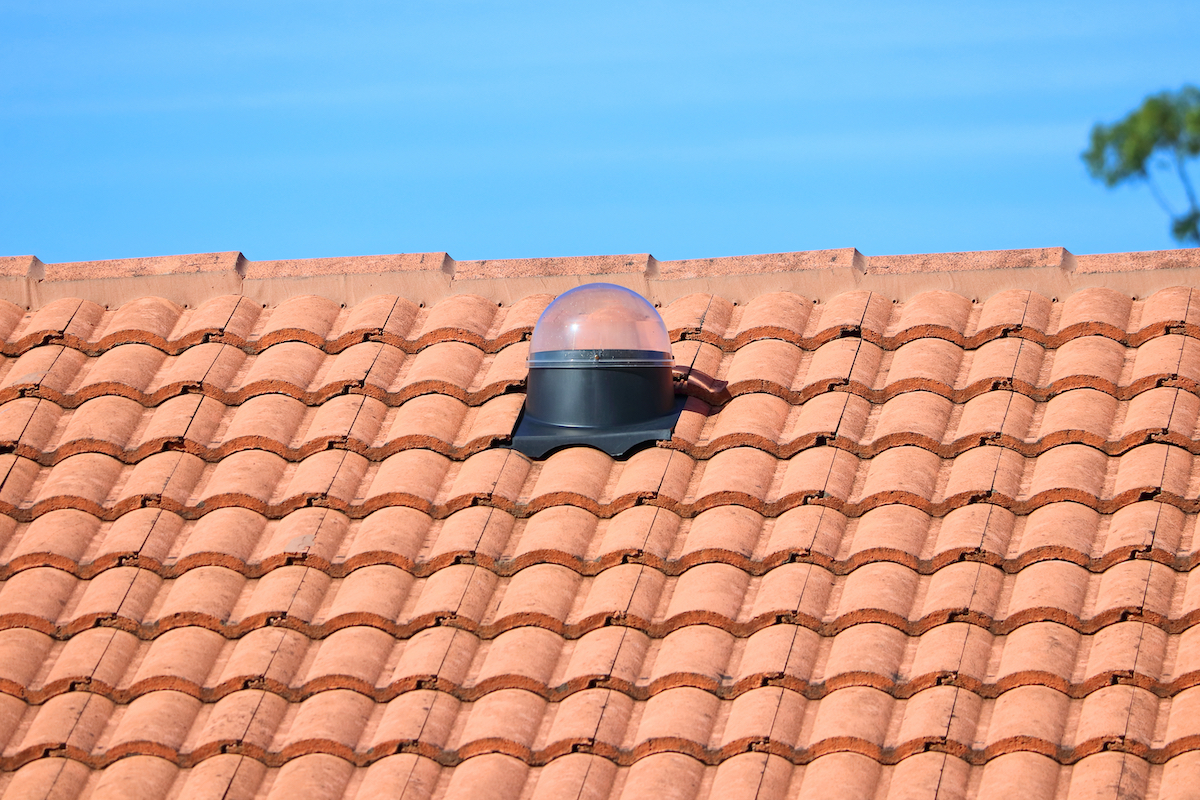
927	527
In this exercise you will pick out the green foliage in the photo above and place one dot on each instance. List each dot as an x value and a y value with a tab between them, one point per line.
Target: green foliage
1160	135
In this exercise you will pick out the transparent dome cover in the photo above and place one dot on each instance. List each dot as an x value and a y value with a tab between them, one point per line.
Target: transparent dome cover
601	317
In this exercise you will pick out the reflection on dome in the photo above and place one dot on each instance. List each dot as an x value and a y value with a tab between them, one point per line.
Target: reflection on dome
600	316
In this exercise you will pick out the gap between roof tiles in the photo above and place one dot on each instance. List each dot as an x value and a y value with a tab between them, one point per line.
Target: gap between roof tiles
430	277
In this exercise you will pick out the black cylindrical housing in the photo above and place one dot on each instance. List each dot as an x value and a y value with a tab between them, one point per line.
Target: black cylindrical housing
598	388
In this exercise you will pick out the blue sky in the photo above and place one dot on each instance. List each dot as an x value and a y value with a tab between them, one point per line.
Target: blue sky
499	130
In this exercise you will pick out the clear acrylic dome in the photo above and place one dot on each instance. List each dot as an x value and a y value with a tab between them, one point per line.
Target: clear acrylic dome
600	316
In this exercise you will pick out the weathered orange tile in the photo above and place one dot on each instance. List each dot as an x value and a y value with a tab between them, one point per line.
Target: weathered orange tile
136	776
913	414
692	651
1096	305
1003	363
937	309
1027	713
350	654
774	312
132	365
405	775
317	776
161	718
335	717
935	361
180	656
1029	775
1094	357
1085	411
492	775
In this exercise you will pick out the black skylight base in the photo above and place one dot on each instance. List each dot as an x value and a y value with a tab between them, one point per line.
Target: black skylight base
536	438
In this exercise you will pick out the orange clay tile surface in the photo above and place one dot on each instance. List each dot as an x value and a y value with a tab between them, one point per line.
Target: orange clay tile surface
921	532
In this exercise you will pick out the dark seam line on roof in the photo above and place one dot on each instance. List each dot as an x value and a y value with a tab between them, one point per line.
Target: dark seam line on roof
29	421
382	331
625	629
979	568
437	674
804	586
262	693
700	329
62	765
1149	576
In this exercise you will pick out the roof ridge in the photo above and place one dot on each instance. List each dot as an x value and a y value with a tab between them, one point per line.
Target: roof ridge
428	277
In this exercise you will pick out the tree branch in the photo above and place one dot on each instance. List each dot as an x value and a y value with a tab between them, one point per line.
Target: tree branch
1158	195
1185	180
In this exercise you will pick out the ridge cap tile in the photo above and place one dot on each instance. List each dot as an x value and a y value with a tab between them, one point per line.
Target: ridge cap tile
545	267
231	261
799	261
972	260
348	265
